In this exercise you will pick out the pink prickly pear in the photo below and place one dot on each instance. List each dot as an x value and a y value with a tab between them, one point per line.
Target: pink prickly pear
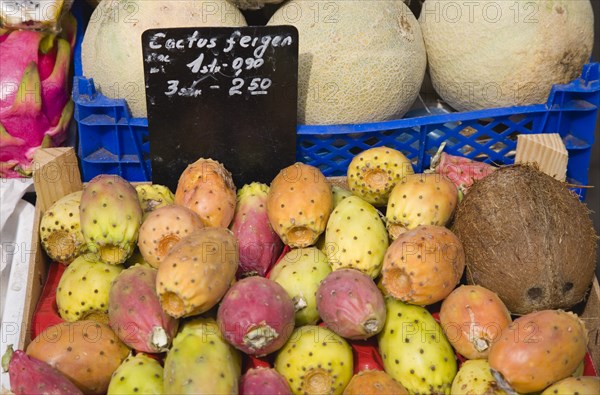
259	245
350	304
263	381
135	312
463	172
35	105
29	375
256	316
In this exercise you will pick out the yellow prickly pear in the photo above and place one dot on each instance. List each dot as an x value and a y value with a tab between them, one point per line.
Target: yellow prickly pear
138	374
474	378
587	385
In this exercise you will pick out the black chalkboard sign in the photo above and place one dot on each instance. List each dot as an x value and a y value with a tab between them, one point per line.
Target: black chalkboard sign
229	94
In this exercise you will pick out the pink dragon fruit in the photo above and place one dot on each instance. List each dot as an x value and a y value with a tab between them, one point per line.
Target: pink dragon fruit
264	381
32	376
463	172
35	105
259	245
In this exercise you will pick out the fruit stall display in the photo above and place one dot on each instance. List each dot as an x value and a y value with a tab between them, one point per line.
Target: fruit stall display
401	254
304	286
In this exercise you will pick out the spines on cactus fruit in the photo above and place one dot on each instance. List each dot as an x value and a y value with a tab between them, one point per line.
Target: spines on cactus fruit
138	374
300	272
298	205
259	245
135	312
415	350
83	289
197	272
110	217
163	228
153	196
29	375
60	231
374	172
356	237
206	187
201	361
315	361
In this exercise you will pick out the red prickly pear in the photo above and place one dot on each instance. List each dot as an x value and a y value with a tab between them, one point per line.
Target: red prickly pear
350	304
538	349
259	245
29	375
135	312
463	172
256	316
262	381
473	317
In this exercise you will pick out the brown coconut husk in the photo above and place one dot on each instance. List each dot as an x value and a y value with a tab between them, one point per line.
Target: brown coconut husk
528	238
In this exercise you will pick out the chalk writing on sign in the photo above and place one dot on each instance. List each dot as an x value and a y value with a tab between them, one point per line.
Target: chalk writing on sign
214	64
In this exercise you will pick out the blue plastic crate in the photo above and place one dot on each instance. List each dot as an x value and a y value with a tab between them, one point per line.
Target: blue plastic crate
110	141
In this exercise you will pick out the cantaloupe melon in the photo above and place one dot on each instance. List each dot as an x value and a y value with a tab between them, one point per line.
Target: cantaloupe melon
500	53
359	61
111	52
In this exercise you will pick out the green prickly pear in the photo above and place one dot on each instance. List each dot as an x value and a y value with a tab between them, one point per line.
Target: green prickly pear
373	173
415	350
110	217
587	385
474	378
138	374
60	232
153	196
339	194
83	290
300	272
315	361
356	237
201	361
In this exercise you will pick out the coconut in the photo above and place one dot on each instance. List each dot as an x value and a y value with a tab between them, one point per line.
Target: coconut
528	238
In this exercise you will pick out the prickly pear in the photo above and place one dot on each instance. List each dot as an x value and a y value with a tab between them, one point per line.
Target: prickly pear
415	351
60	232
163	228
420	199
153	196
206	187
32	376
263	381
259	245
86	352
575	385
350	304
300	272
356	237
137	374
201	361
374	172
315	361
339	194
552	339
474	378
423	265
473	317
135	313
463	172
299	204
111	216
197	272
374	382
82	292
256	316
